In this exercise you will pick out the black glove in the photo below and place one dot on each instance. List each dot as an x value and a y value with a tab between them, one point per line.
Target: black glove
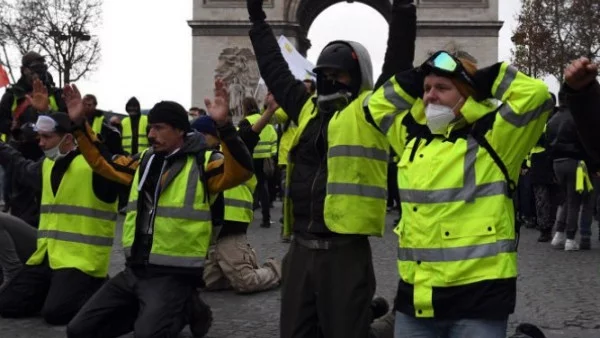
402	3
484	80
255	10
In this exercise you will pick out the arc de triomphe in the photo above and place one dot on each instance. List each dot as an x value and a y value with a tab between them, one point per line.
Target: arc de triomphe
221	46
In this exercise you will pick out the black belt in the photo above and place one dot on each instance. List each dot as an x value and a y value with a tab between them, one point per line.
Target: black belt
327	244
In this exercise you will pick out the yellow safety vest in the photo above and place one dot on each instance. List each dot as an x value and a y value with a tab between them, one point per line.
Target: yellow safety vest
582	179
268	137
458	225
51	101
357	160
285	143
534	150
142	137
76	228
97	124
181	223
238	202
3	137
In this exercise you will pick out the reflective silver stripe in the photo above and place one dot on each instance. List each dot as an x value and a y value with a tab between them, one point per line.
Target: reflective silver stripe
187	211
398	101
469	179
458	253
126	137
468	192
238	203
520	120
262	151
184	262
356	189
358	151
453	194
509	77
184	213
76	238
77	210
132	206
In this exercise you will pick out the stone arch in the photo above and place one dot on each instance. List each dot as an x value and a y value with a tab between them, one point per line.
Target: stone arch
304	12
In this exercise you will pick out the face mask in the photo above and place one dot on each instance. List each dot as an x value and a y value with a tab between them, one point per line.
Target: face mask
332	95
439	117
54	153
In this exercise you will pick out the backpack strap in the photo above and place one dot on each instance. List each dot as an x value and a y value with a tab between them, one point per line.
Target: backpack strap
478	131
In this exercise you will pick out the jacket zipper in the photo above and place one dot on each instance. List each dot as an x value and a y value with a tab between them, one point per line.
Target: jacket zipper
312	188
155	202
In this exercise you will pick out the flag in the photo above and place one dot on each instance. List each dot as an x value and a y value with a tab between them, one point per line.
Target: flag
299	65
4	81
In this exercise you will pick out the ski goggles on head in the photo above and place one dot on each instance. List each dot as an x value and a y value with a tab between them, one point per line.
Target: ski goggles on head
445	63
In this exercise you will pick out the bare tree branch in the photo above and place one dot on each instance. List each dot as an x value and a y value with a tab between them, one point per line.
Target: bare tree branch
62	30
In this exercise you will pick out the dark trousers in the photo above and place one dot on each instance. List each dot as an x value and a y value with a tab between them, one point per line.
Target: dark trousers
56	294
327	293
567	219
149	306
273	183
261	194
525	198
546	202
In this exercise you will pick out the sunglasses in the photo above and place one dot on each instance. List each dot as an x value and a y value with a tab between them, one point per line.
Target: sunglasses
446	64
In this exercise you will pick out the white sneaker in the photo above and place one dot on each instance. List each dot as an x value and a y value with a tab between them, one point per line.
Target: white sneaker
559	240
571	245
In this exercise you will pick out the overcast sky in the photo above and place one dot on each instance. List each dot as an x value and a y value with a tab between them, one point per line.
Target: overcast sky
147	47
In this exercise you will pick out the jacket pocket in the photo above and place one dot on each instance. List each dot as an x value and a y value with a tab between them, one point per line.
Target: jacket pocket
469	251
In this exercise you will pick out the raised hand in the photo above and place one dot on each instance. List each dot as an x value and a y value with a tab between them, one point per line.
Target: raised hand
218	109
73	100
255	10
39	97
580	73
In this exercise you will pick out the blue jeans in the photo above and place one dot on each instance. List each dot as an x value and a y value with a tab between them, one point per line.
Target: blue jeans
411	327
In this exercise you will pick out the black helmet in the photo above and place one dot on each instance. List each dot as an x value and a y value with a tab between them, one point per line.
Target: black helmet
339	55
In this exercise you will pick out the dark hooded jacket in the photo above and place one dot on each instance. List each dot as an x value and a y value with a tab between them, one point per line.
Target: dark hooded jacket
585	109
111	137
309	177
135	123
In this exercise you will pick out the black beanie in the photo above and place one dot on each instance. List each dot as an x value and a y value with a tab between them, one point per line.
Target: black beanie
171	113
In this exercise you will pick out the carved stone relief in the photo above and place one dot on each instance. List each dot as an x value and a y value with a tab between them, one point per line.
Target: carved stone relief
238	68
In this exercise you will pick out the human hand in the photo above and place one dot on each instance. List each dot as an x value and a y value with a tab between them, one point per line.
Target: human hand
74	103
218	109
255	10
39	96
580	73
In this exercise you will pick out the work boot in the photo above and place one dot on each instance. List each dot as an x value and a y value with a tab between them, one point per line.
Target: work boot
265	224
545	236
200	316
526	330
379	307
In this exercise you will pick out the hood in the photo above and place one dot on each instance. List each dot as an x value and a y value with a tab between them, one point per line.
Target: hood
194	143
133	100
366	67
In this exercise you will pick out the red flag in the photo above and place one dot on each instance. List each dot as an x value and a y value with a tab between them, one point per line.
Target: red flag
4	81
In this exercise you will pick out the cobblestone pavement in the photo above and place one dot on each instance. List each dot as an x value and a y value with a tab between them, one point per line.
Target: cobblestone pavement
560	291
